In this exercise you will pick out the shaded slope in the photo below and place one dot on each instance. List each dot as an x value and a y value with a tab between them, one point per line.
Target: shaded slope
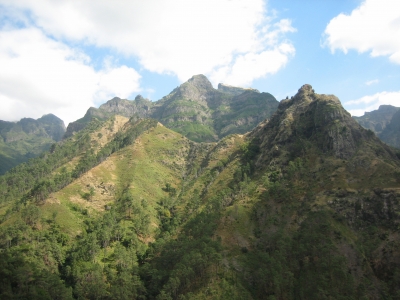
391	133
377	120
27	138
331	193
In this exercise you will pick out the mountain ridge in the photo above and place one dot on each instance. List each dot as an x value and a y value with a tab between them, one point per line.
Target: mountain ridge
383	122
27	138
377	120
195	109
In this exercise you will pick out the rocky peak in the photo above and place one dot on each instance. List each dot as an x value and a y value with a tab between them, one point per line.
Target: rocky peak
305	93
140	98
198	88
313	119
201	82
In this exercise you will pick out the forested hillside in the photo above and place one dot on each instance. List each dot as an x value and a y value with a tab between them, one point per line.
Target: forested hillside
305	206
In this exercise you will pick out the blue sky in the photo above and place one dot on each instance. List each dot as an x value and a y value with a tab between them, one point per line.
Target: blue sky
62	57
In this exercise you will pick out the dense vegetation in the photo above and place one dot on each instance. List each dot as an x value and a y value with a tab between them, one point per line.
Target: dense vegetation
284	212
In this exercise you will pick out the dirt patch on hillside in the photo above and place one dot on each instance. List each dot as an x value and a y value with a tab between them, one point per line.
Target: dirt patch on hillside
108	130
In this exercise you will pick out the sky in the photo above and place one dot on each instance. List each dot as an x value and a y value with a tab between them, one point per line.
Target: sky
63	57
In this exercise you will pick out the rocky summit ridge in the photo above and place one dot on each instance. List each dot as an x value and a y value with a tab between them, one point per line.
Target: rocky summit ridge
194	109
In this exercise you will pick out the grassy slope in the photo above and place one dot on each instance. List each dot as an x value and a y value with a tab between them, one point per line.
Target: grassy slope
156	158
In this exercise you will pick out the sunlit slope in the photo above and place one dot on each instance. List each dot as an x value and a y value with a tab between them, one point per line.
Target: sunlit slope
158	157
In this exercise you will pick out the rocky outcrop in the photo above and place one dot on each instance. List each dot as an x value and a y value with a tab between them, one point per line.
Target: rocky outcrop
314	120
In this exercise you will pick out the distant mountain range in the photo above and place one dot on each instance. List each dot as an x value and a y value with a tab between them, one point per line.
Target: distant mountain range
27	138
384	122
194	109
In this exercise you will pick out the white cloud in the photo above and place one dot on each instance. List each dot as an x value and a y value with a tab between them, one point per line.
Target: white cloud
370	82
372	27
218	38
251	66
372	102
39	75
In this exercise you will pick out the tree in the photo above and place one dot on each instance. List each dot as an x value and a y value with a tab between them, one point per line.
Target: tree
31	215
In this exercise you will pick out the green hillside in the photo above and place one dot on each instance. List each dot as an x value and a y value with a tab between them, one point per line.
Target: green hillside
305	206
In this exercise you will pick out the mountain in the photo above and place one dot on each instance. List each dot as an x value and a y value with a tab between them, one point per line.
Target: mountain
391	133
27	138
384	122
306	205
194	109
377	120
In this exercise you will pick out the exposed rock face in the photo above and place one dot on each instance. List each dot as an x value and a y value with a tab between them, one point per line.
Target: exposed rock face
195	109
313	119
377	120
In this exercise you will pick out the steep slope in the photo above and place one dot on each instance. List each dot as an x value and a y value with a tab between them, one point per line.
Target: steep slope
194	109
331	202
27	138
377	120
306	205
391	133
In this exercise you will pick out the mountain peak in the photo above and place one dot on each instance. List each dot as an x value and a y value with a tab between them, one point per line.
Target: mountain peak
200	81
318	119
305	92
